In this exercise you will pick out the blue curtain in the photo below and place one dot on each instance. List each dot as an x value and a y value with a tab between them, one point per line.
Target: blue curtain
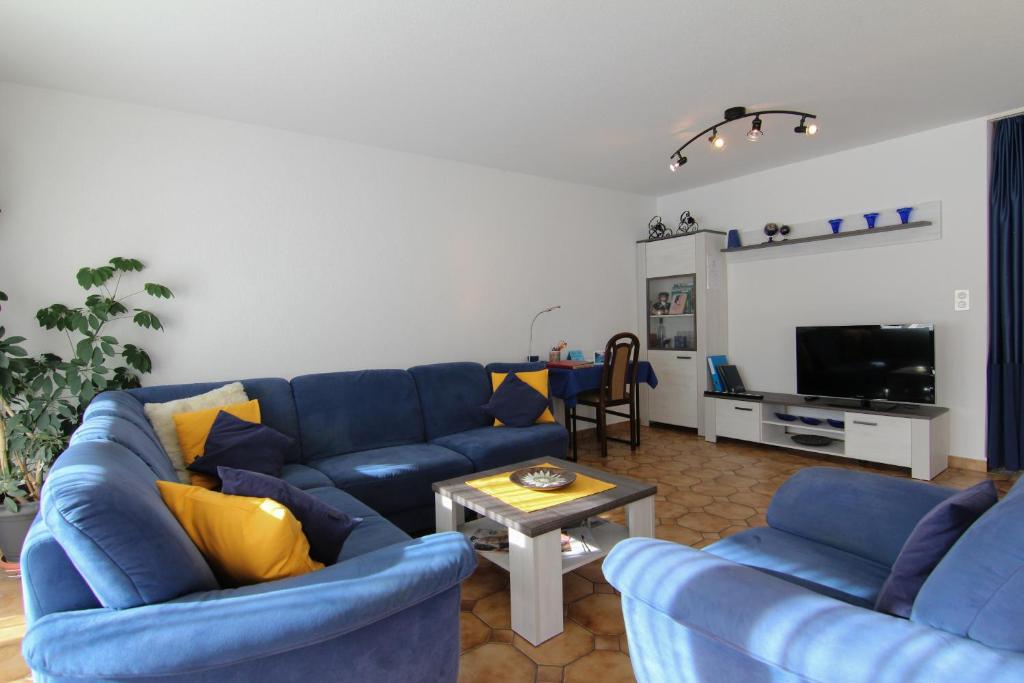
1006	297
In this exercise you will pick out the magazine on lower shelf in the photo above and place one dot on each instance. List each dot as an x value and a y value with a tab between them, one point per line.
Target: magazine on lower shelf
577	540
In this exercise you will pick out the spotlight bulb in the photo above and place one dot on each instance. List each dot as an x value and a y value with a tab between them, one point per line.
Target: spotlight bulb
812	129
716	140
755	130
676	163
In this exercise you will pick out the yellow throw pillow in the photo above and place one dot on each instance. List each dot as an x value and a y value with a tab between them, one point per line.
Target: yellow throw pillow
538	379
245	540
194	427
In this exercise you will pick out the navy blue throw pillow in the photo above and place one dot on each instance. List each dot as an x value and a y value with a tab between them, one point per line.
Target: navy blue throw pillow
516	403
928	543
325	527
234	442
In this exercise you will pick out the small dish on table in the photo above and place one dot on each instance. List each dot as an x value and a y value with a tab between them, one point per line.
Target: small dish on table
543	478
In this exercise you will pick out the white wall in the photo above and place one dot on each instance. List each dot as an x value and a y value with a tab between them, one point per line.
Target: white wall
893	283
292	254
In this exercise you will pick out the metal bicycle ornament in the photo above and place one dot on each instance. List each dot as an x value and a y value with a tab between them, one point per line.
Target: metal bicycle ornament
687	224
656	229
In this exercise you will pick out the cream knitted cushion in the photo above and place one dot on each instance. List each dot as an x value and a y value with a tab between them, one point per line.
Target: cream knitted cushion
161	416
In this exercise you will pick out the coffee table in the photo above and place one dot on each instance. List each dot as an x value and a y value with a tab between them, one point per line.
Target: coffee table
535	560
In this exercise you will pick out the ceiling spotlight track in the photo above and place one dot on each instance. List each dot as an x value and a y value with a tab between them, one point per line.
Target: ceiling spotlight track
754	135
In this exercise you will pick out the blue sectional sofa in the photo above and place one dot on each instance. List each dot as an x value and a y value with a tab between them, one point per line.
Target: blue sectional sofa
793	601
370	443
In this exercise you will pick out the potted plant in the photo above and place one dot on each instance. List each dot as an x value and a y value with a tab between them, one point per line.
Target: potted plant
42	398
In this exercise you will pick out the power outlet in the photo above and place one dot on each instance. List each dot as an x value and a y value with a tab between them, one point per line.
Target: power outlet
962	300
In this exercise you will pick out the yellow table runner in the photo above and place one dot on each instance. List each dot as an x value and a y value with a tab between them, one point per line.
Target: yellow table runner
529	500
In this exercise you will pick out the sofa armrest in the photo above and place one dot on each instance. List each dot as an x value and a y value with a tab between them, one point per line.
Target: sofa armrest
224	627
869	515
786	626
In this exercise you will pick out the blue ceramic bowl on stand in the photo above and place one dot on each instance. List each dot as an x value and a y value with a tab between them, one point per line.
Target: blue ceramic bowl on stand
871	218
905	214
836	224
734	239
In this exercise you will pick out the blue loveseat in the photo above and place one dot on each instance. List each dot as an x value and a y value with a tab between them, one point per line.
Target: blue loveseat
792	601
369	443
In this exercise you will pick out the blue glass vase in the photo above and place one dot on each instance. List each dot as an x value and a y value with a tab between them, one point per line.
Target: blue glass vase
871	218
905	214
836	223
734	239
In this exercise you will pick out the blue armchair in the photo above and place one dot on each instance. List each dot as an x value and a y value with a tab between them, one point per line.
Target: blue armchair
792	601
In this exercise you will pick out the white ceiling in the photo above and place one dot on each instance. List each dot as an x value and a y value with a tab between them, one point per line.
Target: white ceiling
596	92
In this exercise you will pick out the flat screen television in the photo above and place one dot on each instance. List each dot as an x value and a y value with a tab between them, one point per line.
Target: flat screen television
867	362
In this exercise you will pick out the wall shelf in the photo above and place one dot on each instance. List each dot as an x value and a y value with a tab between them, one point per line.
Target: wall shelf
670	315
830	236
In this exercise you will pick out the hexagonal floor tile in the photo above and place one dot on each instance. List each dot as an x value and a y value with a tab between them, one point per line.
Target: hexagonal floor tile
600	613
703	522
592	572
676	534
472	631
566	647
496	663
575	587
606	666
495	610
689	499
487	579
731	511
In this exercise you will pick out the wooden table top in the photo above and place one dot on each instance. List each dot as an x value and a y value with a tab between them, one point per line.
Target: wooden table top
538	522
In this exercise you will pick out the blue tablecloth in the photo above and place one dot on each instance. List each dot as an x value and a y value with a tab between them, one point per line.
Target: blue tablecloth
566	384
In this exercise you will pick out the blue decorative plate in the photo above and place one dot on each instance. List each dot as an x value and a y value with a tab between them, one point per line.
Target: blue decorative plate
786	417
838	424
810	420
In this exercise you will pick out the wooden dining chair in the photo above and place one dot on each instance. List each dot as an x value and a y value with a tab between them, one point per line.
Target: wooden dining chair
618	388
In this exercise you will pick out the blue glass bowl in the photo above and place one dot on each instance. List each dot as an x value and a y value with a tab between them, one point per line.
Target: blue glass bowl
786	417
838	424
810	420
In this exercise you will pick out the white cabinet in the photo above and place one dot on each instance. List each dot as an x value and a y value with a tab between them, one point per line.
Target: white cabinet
878	438
673	402
738	419
916	437
682	319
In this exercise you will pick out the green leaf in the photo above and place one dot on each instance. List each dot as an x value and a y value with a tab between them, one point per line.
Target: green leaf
83	350
11	340
146	319
158	291
137	358
84	277
126	265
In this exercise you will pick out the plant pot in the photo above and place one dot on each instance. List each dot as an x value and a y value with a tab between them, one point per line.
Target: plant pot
14	528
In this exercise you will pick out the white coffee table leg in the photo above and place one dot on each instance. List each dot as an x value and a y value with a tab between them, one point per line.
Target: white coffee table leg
448	514
535	573
640	517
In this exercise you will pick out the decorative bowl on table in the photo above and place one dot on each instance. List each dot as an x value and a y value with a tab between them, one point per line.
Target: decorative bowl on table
786	417
542	478
838	424
810	420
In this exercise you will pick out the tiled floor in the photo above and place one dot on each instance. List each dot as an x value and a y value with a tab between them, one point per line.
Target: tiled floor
705	492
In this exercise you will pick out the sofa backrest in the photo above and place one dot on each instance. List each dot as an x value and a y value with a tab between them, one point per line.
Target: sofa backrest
118	417
865	514
343	412
277	407
451	397
977	590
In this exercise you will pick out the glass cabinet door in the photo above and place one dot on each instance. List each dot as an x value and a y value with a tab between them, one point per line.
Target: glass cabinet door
671	313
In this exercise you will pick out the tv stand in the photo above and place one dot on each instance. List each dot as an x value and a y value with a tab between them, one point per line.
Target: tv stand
912	436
